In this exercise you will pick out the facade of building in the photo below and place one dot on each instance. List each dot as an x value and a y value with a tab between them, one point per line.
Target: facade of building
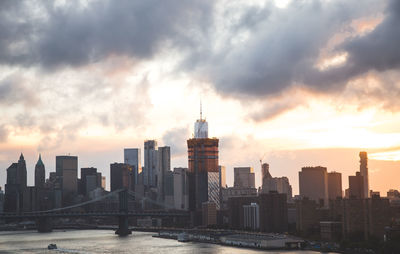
233	192
121	176
244	177
334	185
67	173
85	172
163	167
356	186
150	163
202	159
132	156
313	183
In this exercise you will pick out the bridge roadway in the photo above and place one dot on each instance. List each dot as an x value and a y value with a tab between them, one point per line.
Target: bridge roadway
34	215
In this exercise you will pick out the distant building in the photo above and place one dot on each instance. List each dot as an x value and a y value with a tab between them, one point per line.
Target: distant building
313	183
169	187
251	216
334	185
40	173
67	173
265	175
150	163
1	200
163	167
15	186
244	177
103	182
356	186
181	189
222	183
121	176
275	184
214	189
364	173
132	156
85	172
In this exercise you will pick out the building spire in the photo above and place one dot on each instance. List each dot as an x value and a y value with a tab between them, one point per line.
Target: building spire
201	111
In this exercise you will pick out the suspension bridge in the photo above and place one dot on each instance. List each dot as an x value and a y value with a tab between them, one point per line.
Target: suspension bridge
120	209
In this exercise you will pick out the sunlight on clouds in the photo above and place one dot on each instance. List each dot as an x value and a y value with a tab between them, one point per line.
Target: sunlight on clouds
385	156
334	61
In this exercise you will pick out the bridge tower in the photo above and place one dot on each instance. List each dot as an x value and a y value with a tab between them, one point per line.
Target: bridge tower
123	224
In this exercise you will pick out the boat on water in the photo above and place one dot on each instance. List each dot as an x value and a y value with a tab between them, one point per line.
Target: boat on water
52	246
183	237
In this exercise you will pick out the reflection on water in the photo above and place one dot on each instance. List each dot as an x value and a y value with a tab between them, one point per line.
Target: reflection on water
105	241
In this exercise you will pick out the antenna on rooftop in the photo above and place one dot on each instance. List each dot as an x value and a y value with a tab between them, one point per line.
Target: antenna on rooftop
201	111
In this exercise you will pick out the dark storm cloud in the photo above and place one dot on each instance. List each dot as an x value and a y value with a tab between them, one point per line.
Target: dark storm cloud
378	50
72	35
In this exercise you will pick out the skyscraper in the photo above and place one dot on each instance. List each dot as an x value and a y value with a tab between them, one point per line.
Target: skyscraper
67	172
40	173
202	159
313	183
364	173
21	172
132	156
85	172
150	163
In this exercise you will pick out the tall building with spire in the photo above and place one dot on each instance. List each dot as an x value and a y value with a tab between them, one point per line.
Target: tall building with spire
21	172
203	164
40	173
364	173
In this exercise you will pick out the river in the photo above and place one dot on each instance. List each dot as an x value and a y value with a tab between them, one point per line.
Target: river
105	241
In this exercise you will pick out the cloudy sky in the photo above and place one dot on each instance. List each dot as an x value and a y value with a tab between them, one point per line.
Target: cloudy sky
294	83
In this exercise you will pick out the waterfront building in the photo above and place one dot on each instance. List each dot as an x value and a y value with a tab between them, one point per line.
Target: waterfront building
132	156
273	212
251	215
67	173
181	189
40	173
209	213
150	163
364	173
334	185
313	183
121	176
244	177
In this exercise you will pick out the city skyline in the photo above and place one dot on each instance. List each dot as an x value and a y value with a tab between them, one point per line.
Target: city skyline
321	94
